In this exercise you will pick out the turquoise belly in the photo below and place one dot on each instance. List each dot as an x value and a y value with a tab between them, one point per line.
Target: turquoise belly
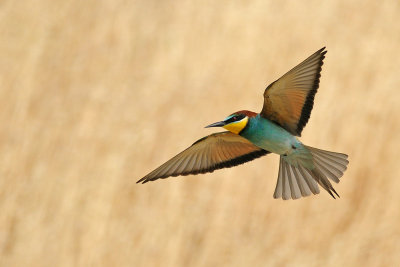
269	136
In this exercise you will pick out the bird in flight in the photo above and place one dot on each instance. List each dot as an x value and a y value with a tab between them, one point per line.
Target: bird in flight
287	106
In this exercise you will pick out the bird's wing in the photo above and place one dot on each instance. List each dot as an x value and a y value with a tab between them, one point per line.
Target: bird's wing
216	151
289	100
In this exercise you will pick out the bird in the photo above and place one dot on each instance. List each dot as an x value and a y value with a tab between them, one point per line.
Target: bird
287	107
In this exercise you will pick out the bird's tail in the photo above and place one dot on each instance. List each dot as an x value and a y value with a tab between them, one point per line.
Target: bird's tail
297	181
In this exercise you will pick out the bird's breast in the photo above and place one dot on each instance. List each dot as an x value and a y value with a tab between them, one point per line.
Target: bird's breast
269	136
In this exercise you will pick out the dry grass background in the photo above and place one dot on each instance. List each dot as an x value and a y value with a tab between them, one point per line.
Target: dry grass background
95	94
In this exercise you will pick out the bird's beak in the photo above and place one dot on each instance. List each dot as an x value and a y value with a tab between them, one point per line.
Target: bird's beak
216	124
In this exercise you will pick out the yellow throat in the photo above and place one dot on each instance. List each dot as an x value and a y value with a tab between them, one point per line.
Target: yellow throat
237	126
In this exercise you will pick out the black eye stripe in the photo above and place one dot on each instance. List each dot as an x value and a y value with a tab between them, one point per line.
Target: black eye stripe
235	118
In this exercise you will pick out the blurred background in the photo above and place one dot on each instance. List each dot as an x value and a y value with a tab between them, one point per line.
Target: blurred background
96	94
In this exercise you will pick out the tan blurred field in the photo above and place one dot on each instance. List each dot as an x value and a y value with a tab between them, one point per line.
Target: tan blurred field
95	94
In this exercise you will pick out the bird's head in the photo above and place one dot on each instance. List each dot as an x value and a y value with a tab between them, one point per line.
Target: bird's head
235	122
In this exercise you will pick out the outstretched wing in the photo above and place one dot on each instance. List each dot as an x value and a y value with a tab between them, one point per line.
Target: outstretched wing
289	100
216	151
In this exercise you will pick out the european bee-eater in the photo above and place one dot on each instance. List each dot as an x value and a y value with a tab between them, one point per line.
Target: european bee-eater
287	106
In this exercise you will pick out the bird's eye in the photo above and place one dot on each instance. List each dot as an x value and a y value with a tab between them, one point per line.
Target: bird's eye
234	118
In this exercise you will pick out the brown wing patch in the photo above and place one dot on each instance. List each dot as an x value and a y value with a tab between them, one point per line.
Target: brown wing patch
216	151
289	100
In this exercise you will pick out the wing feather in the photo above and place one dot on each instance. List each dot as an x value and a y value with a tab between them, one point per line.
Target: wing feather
216	151
289	100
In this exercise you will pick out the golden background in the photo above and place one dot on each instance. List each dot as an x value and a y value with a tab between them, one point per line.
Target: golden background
96	94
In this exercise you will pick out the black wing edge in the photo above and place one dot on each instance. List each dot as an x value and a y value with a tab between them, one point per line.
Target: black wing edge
226	164
309	104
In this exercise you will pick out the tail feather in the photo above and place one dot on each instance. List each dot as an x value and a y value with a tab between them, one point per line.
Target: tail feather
332	173
302	183
294	182
298	181
323	181
331	164
309	181
294	185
